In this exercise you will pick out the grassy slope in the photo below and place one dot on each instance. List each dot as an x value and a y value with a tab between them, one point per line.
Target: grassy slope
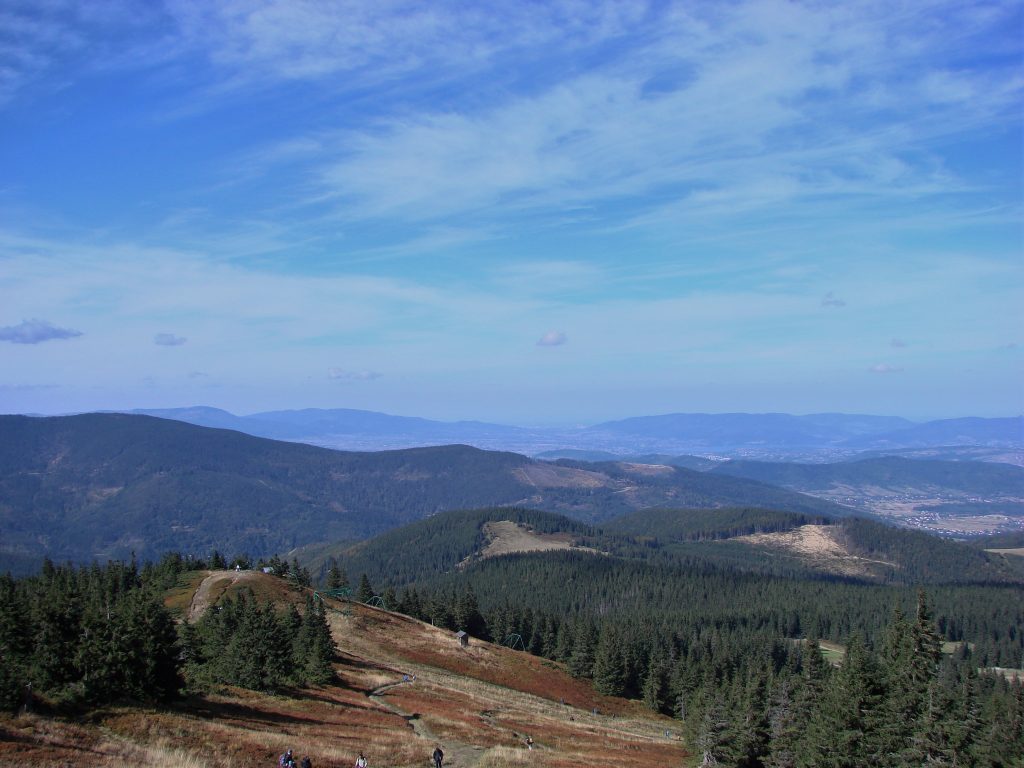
478	703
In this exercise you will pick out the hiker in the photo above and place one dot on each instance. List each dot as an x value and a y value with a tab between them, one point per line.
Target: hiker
361	761
286	760
438	756
529	743
306	762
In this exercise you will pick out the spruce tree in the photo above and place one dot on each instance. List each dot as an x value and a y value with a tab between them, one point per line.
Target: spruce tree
581	658
336	576
365	590
609	666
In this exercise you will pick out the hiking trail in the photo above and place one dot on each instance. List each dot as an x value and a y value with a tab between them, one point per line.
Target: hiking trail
457	754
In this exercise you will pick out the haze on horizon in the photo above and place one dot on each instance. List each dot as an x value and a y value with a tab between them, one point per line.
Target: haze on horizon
523	213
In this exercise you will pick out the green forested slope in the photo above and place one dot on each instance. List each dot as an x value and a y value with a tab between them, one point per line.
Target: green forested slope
968	477
106	485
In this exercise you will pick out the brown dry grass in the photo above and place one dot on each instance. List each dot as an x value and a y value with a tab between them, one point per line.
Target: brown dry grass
479	703
818	546
1019	551
219	584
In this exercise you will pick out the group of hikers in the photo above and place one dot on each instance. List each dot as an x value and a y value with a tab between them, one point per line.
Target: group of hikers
287	760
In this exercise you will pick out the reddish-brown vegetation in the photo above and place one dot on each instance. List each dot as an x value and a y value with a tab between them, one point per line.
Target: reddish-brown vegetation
480	703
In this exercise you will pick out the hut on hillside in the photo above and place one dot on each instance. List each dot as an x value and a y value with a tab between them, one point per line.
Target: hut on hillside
463	638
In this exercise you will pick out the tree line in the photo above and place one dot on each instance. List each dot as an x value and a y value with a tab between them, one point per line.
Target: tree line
86	636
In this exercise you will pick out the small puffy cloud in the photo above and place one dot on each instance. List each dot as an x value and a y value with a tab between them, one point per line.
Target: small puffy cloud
897	343
885	368
168	340
340	374
831	300
35	332
552	339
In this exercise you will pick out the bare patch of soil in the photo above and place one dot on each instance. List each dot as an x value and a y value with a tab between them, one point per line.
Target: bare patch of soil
819	546
648	470
505	537
1019	551
219	583
553	476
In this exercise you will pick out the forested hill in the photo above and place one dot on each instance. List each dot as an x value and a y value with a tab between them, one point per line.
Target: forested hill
106	485
743	540
891	472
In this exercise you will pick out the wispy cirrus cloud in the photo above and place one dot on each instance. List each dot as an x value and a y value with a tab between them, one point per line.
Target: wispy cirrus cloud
36	331
777	103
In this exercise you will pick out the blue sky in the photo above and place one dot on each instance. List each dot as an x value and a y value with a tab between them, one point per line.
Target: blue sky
551	212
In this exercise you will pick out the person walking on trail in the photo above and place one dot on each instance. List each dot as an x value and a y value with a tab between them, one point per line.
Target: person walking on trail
361	761
306	762
438	757
286	760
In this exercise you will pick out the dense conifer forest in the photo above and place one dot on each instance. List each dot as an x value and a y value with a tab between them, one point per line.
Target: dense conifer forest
765	668
82	637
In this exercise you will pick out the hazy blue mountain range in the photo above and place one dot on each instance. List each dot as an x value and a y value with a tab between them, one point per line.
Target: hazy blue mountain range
107	485
889	472
815	437
736	429
317	424
967	431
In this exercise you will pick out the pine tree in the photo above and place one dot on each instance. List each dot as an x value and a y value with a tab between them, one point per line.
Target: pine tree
365	590
843	732
785	725
655	687
581	658
711	741
336	576
609	666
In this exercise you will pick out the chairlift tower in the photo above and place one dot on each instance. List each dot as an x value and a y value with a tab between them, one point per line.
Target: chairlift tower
515	642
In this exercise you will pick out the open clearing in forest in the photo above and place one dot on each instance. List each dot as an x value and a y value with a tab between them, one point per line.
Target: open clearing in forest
401	687
505	537
818	546
1018	551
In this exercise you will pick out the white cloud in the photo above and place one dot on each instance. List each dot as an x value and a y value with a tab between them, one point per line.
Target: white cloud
35	331
552	339
340	374
168	340
784	102
884	368
831	300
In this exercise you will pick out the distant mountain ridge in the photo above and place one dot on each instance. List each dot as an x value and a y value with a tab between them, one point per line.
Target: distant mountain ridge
732	429
106	485
310	424
976	478
816	437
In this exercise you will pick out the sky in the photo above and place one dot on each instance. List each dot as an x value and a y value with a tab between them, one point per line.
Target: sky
551	212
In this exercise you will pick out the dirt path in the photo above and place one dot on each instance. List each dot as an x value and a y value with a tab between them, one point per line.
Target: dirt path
212	587
456	753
